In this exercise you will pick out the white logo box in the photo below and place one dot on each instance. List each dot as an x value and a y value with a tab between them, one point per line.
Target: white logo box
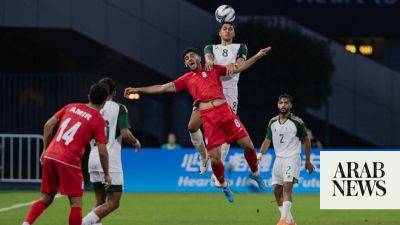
329	166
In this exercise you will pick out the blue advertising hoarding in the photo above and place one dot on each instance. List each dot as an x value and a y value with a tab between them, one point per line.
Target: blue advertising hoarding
156	170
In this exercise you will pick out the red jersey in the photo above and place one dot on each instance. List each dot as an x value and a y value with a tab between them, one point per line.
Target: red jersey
78	125
203	85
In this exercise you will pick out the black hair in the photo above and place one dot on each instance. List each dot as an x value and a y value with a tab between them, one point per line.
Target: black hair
190	49
98	93
109	83
223	23
287	96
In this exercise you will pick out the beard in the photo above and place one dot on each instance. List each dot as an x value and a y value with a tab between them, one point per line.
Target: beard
284	111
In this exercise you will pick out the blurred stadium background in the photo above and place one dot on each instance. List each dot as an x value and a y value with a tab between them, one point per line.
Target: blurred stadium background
339	59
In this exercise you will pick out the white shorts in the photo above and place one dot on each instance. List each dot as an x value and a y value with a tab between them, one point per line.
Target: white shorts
286	170
232	99
117	178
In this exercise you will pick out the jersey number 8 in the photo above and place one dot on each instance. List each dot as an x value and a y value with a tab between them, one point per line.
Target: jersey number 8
237	123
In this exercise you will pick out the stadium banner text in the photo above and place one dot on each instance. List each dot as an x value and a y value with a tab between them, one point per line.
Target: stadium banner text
156	170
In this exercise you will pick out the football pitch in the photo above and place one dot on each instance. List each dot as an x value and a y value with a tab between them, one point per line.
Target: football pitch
195	209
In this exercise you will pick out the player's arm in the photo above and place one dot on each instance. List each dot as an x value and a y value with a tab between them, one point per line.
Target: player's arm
242	55
266	143
264	148
209	57
302	134
127	135
154	89
103	155
248	63
48	130
307	149
99	135
123	124
48	133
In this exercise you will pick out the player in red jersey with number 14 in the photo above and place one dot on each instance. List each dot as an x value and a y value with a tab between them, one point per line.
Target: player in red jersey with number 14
61	159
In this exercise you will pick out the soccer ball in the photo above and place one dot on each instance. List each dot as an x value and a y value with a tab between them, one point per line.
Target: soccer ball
225	13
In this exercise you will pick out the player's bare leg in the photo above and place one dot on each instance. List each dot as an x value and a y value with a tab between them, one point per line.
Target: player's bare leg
197	138
38	207
112	203
278	192
75	215
218	169
224	153
251	158
286	216
102	210
100	196
48	198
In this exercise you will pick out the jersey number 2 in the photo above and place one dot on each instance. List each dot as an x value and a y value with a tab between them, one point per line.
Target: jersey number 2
67	136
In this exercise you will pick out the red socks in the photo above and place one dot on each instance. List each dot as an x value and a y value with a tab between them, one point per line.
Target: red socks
34	212
75	216
218	170
251	159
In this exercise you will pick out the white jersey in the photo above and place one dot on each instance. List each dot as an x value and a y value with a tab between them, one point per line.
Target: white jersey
224	55
286	137
116	117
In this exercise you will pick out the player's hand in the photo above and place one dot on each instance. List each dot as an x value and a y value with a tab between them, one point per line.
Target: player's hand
259	156
230	69
209	65
263	52
137	145
107	181
130	90
309	167
42	157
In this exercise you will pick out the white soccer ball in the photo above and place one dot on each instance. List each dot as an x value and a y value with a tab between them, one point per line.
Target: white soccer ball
225	13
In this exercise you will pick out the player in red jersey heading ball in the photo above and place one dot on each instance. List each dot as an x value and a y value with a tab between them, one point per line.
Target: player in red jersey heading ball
220	123
61	159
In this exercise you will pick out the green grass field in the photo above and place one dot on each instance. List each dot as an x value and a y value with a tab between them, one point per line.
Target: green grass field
197	209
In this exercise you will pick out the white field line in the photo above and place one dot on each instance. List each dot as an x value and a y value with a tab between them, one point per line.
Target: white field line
16	206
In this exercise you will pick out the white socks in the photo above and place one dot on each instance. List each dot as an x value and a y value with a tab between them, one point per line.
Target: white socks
198	143
224	151
285	212
90	219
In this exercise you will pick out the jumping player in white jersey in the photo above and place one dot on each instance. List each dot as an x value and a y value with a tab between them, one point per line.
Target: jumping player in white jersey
286	131
226	53
117	127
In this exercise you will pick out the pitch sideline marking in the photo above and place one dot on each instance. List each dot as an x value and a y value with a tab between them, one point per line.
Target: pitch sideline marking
16	206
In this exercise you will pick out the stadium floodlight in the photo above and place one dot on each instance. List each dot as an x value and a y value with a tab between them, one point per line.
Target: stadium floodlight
351	48
366	49
135	96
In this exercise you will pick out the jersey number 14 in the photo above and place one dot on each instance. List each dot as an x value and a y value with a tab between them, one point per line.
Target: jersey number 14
67	136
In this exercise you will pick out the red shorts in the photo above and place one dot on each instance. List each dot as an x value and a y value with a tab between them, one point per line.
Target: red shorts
221	125
58	176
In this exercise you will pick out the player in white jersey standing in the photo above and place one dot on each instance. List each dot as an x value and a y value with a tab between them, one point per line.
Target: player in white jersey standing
225	53
286	131
117	127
